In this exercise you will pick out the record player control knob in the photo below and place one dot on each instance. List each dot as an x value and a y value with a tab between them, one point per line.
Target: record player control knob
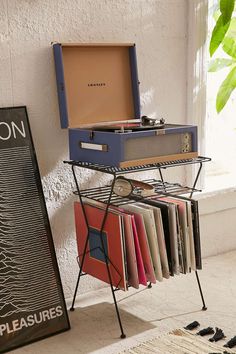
186	148
186	142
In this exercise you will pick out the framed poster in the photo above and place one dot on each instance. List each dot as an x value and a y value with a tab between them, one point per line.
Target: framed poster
32	304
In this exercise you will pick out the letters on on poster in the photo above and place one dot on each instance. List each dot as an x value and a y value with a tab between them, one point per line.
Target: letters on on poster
30	320
12	130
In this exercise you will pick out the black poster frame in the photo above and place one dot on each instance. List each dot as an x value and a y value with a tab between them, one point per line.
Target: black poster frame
48	321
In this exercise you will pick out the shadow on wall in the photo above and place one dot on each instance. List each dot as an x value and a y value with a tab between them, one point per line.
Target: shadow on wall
59	187
50	140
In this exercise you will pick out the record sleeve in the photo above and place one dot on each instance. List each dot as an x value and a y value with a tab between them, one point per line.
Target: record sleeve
160	240
137	250
196	229
140	265
196	233
143	242
165	220
187	210
174	237
94	262
151	234
144	247
183	218
135	266
191	236
132	270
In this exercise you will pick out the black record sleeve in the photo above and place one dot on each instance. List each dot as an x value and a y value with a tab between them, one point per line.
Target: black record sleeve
196	229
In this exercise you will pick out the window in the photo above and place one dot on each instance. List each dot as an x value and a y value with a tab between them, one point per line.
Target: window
217	132
220	142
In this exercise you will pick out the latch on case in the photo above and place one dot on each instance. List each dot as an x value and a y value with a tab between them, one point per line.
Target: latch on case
91	146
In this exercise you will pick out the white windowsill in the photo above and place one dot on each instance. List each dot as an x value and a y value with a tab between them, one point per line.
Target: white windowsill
218	195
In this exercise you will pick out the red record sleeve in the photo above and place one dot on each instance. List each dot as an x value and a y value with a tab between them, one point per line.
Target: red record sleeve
94	262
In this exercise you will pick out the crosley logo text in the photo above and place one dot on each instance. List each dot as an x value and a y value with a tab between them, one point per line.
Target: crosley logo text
30	320
97	84
11	130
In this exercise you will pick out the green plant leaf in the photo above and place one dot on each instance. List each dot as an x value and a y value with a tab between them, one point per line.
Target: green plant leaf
220	63
232	28
225	90
226	8
229	46
218	34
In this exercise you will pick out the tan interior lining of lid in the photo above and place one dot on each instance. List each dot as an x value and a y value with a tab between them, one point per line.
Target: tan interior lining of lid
98	84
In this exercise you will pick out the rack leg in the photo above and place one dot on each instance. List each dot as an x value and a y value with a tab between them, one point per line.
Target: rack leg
204	308
75	293
103	249
87	239
162	179
106	260
80	272
118	314
196	179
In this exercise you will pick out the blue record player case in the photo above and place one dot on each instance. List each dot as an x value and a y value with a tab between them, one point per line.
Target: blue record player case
98	88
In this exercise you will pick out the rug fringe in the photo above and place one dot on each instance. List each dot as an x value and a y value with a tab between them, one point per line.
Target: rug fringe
178	341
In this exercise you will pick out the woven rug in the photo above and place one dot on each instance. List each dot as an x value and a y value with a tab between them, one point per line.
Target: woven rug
180	341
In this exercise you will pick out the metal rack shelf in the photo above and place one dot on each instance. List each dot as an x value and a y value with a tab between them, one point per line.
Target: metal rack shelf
118	170
102	194
107	196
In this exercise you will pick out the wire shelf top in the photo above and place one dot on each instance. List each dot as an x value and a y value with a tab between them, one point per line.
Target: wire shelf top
101	194
118	170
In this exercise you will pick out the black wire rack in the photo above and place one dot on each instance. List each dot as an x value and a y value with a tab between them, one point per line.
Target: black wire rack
102	194
107	196
121	170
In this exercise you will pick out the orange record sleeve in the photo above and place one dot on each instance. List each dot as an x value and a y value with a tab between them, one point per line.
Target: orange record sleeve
94	262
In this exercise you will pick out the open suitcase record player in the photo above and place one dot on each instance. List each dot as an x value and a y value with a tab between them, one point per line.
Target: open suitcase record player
146	123
98	92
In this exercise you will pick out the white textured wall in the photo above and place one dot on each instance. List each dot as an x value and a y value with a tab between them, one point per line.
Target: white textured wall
27	77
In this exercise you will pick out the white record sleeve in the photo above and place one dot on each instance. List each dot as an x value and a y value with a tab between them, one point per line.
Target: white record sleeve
191	237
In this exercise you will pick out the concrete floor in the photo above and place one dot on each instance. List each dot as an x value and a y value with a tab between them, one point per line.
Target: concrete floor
147	313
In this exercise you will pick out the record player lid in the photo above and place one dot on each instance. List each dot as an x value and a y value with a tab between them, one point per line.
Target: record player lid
97	83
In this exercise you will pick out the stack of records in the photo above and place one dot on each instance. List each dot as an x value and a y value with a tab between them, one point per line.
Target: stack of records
143	242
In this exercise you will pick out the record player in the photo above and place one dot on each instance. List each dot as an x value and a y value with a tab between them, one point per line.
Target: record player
98	93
